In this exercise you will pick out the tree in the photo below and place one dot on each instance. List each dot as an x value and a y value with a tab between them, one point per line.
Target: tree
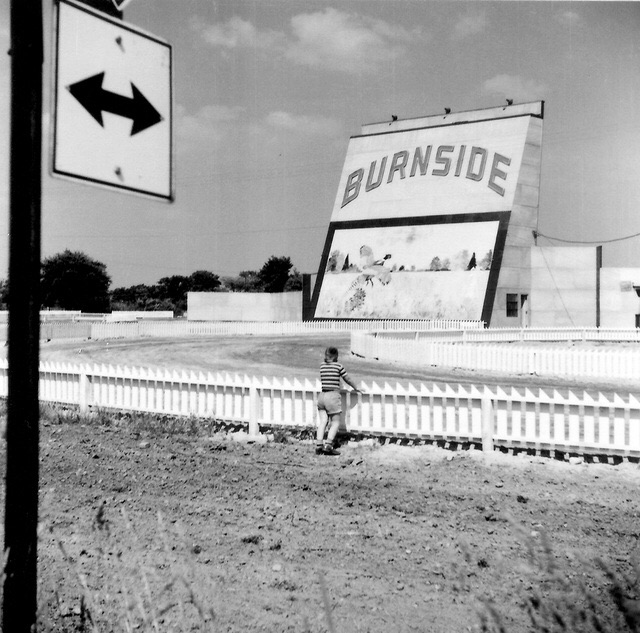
138	297
174	289
73	281
203	281
294	282
170	293
246	281
275	273
274	276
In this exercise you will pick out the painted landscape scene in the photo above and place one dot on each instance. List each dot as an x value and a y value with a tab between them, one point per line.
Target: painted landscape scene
429	271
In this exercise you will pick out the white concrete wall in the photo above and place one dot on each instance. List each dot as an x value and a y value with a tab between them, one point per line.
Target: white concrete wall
244	306
134	315
619	302
514	277
47	315
563	287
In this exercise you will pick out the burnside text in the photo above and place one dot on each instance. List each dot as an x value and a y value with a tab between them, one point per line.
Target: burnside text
447	159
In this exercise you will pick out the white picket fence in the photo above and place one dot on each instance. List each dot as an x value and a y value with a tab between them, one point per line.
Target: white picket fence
179	328
444	330
510	335
482	415
266	328
422	350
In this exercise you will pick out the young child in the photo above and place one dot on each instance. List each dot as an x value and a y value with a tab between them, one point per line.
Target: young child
330	402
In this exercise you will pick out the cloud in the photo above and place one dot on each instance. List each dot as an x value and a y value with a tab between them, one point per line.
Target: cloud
329	39
514	87
238	33
303	125
208	125
345	42
568	18
217	125
470	24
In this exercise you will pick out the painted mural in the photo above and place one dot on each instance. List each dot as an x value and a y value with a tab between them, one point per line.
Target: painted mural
430	271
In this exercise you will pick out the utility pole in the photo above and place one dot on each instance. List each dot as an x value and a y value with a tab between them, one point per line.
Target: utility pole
21	502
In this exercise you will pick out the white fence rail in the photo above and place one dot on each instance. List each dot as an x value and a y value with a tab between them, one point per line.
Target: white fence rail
423	351
511	418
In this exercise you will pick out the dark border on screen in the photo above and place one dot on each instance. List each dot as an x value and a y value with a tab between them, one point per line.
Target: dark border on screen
496	262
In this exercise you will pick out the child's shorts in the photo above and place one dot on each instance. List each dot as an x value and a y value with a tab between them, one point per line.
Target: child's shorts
330	401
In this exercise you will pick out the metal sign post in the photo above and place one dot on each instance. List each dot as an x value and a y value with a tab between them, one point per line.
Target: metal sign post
21	503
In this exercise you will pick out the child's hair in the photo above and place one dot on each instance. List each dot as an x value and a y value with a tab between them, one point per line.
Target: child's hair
331	352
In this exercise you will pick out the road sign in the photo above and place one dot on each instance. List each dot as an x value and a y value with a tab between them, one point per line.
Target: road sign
113	104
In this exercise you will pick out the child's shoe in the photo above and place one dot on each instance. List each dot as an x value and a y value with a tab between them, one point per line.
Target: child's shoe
319	449
329	450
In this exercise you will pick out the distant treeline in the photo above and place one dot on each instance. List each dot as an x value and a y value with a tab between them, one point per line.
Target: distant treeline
73	281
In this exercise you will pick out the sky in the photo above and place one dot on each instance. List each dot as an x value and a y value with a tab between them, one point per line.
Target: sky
268	92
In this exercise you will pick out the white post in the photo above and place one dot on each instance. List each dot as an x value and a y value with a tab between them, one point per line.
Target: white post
85	392
254	404
487	425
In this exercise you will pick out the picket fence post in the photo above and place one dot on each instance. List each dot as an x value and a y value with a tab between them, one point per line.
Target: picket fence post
254	407
487	424
84	391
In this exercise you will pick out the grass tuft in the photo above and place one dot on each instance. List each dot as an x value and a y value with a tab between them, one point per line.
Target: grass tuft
149	424
600	600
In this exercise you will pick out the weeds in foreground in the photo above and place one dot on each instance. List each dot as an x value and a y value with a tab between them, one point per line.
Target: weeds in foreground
599	600
120	591
134	422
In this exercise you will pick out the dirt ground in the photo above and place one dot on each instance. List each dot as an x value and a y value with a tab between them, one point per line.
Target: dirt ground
168	525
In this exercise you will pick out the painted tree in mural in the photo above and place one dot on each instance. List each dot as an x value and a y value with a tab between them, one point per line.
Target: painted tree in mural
4	294
485	262
332	262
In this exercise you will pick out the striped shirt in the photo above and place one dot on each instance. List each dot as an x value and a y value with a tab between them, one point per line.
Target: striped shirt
330	374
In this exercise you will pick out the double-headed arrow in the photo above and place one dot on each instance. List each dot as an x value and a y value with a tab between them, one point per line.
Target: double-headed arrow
96	100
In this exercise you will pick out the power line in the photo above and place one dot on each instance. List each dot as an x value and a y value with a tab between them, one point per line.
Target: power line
559	239
169	235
